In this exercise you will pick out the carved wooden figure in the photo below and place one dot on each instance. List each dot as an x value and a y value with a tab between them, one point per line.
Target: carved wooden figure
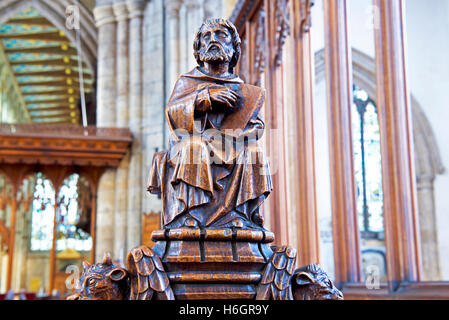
213	179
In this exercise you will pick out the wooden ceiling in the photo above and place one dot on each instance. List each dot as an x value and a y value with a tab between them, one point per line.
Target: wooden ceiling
45	64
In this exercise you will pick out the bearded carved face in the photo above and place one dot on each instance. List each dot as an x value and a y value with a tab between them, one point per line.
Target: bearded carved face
217	41
216	45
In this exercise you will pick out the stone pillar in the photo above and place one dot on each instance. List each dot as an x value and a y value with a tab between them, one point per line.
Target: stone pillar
194	19
172	44
212	9
430	255
172	51
122	121
153	95
135	182
106	117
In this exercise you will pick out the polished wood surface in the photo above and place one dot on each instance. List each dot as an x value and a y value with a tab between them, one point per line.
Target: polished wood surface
398	174
303	79
339	101
213	244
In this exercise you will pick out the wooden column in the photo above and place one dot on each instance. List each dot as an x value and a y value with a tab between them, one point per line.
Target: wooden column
275	121
93	223
394	112
305	198
53	245
93	175
339	100
12	234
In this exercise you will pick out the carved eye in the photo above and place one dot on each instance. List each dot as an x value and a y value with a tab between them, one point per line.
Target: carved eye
91	282
221	34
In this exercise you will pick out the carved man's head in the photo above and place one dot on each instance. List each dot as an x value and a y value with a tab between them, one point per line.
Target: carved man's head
102	281
217	41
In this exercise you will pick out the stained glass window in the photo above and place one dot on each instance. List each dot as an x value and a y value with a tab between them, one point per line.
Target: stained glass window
367	165
73	215
42	214
72	200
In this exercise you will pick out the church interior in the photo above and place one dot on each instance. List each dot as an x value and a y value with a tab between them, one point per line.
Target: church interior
356	134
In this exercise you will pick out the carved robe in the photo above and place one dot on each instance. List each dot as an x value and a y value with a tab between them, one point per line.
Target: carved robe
206	175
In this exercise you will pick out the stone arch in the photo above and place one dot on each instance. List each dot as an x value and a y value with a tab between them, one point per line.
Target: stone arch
428	161
55	12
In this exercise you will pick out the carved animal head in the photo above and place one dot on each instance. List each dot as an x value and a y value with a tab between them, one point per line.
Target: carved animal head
102	281
312	283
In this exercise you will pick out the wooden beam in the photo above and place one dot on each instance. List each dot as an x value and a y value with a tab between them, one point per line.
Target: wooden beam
41	36
52	116
73	63
398	174
73	92
31	101
30	21
55	122
57	108
44	50
57	73
302	111
61	82
50	101
58	87
338	64
59	112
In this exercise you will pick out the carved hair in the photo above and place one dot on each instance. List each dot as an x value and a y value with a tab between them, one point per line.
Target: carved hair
235	40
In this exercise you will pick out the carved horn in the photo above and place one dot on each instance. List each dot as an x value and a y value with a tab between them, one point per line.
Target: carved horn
107	259
86	264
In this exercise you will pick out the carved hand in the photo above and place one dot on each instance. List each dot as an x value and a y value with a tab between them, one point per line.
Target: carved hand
223	95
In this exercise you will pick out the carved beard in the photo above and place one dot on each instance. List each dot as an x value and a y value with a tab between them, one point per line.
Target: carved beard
216	53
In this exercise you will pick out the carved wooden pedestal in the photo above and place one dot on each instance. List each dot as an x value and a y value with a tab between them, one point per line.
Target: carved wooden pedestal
213	263
197	264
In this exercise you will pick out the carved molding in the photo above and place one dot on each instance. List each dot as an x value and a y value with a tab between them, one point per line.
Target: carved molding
282	27
136	8
172	8
103	15
63	145
259	50
120	11
192	4
241	12
306	15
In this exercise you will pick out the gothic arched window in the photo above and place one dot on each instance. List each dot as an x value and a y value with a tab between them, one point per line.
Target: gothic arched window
367	165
